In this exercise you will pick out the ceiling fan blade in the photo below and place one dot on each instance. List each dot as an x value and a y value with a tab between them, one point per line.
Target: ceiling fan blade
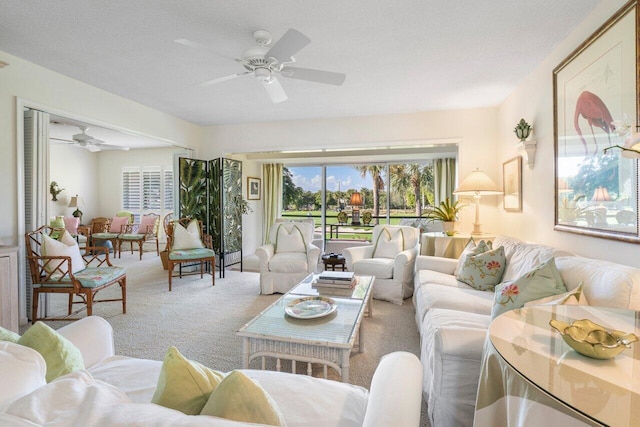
274	89
309	74
224	79
288	45
112	147
60	141
92	148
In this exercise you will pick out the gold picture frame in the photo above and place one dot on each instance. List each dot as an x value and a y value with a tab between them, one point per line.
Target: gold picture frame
512	185
595	96
254	188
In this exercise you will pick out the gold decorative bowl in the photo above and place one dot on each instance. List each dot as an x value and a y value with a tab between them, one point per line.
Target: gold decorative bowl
593	340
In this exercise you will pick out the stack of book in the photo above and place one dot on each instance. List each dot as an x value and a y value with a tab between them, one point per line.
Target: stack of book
336	279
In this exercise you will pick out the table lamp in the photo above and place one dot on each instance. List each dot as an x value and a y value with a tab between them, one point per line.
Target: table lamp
355	202
75	202
477	184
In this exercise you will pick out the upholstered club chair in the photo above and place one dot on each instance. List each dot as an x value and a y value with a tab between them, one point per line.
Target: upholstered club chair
288	258
391	258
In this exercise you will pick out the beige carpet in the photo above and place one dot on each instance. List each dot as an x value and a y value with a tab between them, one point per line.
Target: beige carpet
201	320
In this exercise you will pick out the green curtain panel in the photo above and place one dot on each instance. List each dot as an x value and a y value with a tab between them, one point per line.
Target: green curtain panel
444	171
272	176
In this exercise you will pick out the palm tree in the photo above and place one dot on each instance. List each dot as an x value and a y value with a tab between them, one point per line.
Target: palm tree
414	175
378	184
400	180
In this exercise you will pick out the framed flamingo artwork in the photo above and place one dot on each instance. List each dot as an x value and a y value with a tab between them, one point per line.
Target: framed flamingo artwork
595	107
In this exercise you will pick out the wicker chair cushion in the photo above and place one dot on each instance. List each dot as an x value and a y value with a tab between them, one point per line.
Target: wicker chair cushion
131	237
91	277
182	254
104	236
67	246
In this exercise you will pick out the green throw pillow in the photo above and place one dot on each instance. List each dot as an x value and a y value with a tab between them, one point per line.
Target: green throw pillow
61	355
183	384
484	270
7	335
239	398
538	283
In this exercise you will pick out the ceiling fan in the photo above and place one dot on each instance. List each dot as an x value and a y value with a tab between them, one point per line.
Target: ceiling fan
90	143
265	62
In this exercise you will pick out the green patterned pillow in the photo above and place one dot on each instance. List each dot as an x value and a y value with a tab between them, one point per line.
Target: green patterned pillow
540	282
472	248
483	271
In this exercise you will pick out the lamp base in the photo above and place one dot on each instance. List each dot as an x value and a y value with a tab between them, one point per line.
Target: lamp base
477	229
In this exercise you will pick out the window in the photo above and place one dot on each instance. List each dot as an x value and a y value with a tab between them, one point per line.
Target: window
147	189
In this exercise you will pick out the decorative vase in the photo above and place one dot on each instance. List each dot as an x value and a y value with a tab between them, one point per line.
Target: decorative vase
522	130
448	227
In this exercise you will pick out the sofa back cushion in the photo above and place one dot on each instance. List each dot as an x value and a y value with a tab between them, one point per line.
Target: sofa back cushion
483	271
523	257
604	283
22	370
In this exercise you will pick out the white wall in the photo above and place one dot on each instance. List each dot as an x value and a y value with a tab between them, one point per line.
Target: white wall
533	100
37	85
74	169
474	128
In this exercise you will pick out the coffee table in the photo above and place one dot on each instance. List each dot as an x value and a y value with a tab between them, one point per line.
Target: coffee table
326	340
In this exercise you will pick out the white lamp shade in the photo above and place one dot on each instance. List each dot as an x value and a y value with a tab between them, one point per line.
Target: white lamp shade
75	202
477	183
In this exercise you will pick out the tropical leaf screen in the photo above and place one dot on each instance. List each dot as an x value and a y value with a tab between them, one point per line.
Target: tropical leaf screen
211	191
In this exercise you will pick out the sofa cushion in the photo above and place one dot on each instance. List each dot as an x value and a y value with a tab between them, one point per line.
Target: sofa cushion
288	262
462	299
67	246
523	257
183	384
240	398
540	282
604	283
484	270
186	238
390	242
61	356
382	268
22	370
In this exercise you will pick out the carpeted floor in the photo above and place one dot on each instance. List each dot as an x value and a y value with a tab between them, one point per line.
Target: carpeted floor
201	320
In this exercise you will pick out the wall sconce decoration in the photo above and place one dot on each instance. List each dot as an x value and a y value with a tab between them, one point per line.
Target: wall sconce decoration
522	131
54	189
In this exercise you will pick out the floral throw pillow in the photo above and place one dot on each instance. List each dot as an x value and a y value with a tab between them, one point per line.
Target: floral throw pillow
472	248
539	283
483	271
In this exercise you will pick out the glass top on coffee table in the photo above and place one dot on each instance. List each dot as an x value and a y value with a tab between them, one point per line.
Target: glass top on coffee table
307	287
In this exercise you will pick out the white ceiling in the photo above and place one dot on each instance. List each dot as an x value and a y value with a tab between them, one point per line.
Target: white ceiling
399	56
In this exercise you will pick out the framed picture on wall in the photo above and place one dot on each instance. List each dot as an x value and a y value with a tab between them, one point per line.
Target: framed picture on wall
253	188
512	184
595	107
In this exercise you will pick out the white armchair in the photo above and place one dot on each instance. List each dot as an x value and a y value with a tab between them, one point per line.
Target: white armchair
288	258
390	258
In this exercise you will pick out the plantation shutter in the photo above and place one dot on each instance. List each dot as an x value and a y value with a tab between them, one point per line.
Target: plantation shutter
131	190
152	193
168	190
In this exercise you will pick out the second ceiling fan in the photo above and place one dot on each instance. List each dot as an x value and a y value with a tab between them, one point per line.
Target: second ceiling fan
265	62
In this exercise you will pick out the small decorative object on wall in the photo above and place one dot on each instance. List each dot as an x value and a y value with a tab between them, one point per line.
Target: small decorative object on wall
253	188
522	130
54	190
512	184
595	90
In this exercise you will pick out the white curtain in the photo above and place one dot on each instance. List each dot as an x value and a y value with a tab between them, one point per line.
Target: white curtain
272	177
444	179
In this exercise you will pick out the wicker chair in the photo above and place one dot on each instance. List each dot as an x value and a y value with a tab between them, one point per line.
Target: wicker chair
56	274
145	231
202	255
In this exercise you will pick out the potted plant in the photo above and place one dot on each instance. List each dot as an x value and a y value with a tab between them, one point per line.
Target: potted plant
54	189
447	212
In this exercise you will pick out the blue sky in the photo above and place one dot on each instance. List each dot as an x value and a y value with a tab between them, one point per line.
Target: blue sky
344	177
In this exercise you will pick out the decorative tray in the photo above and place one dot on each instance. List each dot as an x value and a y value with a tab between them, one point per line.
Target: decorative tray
310	307
593	340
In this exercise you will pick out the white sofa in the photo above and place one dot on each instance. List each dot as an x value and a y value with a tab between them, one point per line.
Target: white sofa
453	318
116	390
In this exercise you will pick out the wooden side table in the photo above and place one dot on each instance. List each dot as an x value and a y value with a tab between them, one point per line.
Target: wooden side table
331	260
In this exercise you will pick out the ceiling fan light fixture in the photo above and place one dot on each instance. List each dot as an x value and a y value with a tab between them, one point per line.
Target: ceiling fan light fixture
263	74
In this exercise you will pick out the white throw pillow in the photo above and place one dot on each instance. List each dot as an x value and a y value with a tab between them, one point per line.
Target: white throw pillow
67	246
289	238
389	245
187	238
22	370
